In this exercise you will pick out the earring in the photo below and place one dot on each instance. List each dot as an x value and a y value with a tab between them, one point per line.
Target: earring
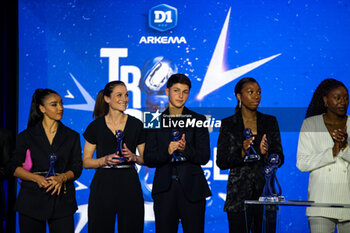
326	105
240	104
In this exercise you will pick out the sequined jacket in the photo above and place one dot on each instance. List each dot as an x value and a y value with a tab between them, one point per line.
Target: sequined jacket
246	180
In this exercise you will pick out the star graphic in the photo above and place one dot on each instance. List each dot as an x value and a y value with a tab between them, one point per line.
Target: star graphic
83	217
69	95
215	76
155	115
90	102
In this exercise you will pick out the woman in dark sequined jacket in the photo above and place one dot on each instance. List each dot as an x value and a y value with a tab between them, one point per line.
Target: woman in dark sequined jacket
246	179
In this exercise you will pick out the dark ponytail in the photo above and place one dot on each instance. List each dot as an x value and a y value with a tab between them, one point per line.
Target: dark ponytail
239	87
101	107
35	115
317	106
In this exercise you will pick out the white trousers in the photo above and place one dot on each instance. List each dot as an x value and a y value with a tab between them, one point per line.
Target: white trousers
327	225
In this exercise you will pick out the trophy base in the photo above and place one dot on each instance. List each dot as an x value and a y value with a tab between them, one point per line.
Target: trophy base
121	159
251	158
273	199
176	159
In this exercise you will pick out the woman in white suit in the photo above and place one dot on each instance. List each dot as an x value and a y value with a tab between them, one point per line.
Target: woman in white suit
324	152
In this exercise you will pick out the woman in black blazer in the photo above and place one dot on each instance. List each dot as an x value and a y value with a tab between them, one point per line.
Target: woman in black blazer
47	193
246	179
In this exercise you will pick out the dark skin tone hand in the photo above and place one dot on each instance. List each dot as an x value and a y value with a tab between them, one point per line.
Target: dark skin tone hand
335	118
340	138
264	146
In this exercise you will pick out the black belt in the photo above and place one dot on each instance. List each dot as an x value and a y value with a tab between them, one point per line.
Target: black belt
119	166
44	173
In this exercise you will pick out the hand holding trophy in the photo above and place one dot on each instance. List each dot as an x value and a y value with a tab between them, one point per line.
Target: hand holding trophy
251	155
177	155
119	135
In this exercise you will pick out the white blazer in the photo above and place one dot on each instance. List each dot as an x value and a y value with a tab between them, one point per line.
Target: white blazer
329	176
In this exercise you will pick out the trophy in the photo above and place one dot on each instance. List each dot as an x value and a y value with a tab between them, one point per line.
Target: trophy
251	155
270	192
177	155
155	74
52	159
119	135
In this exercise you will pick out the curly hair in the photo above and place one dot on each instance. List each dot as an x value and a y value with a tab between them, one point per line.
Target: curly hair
317	106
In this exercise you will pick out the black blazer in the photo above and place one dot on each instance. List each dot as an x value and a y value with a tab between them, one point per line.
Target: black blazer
32	200
246	180
197	153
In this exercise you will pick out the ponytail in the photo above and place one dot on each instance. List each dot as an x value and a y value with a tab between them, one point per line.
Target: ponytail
35	115
101	107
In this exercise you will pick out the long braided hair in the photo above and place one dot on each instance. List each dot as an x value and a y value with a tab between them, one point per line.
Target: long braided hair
317	105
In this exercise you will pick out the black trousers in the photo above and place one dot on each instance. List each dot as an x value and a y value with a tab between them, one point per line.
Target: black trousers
116	193
237	221
59	225
172	206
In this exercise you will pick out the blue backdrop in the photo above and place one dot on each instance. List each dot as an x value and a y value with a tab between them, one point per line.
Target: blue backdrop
75	47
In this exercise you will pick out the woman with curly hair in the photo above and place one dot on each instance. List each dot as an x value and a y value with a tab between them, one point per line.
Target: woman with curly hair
324	152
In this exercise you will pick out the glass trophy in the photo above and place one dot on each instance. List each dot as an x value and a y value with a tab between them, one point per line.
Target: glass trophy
177	156
119	135
52	159
251	155
270	193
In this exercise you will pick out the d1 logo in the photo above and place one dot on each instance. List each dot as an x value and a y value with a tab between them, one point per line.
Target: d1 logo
162	17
